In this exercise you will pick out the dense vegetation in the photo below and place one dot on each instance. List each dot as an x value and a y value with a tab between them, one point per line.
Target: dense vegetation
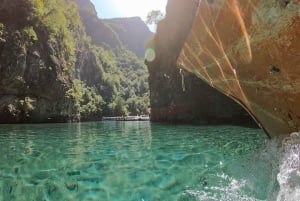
125	75
65	60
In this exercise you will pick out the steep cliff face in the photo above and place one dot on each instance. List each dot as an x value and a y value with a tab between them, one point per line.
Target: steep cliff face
249	50
131	33
176	95
115	67
99	31
58	66
34	67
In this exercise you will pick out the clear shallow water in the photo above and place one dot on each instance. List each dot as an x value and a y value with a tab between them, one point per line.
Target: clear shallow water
140	161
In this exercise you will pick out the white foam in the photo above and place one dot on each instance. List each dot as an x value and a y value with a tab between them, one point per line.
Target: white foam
272	174
289	170
231	192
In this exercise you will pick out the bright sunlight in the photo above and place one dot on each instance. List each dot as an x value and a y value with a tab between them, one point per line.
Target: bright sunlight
139	7
128	8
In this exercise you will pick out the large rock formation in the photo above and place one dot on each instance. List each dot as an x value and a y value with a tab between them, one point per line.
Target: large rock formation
249	50
33	81
58	66
180	96
132	32
123	40
100	32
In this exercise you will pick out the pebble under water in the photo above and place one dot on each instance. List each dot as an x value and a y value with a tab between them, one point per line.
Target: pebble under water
143	161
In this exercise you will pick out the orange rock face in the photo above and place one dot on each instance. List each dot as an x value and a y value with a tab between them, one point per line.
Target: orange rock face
250	51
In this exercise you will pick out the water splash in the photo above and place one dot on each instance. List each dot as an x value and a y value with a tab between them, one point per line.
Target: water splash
233	191
289	171
273	173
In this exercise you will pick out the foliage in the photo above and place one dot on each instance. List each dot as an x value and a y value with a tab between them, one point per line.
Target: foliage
2	27
118	107
90	65
133	33
92	102
31	35
26	105
63	23
76	92
100	32
85	98
154	16
138	105
118	74
134	82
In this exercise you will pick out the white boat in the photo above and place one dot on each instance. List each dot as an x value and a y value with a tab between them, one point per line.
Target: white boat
127	118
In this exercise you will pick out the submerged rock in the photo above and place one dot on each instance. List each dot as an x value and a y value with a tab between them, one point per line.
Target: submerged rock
73	173
71	186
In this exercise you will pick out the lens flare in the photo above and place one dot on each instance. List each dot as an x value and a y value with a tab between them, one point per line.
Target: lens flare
149	55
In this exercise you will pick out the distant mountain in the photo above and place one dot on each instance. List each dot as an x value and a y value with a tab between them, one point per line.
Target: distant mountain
131	33
123	42
100	32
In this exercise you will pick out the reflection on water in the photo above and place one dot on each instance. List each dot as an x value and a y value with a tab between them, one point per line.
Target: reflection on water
135	161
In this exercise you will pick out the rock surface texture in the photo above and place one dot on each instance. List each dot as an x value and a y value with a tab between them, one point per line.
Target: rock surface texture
32	79
177	95
250	51
59	62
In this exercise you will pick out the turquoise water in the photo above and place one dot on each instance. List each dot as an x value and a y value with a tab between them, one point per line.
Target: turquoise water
137	161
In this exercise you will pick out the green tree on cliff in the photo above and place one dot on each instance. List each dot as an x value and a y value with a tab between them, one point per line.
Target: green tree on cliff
154	17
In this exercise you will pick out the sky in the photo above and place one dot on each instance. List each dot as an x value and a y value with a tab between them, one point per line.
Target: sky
127	8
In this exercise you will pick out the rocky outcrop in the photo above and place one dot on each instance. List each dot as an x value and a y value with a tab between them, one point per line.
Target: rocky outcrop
132	32
249	50
33	69
100	32
175	94
30	88
58	66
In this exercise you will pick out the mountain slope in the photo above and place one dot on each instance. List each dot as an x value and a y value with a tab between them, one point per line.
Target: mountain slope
51	70
130	72
101	33
133	33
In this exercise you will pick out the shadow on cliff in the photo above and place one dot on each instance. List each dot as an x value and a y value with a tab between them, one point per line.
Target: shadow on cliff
177	96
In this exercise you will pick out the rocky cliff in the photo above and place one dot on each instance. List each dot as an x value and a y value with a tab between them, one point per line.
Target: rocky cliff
131	33
249	50
100	32
35	65
175	94
124	76
53	69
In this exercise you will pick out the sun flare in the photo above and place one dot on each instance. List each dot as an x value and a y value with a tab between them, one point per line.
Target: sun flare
138	7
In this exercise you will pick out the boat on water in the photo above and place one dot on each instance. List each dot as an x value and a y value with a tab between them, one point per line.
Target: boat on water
127	118
250	51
